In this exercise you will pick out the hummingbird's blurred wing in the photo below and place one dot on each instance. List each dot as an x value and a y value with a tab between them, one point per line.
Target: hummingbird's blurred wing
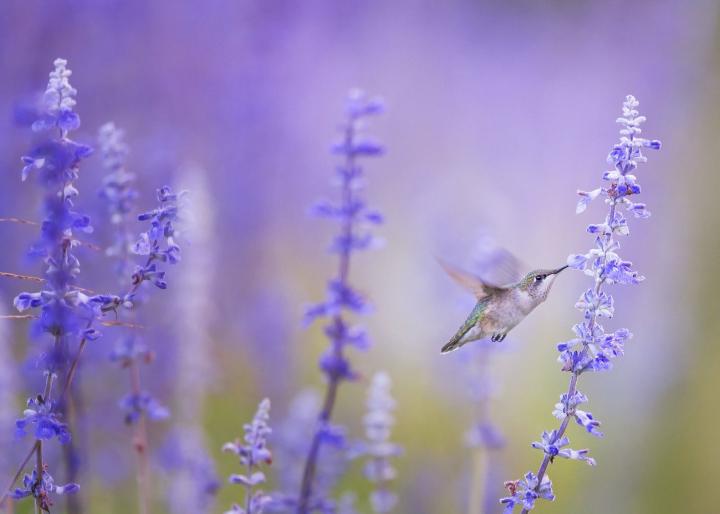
496	265
476	285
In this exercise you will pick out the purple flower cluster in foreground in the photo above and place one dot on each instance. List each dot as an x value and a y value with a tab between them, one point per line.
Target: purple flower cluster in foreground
593	349
68	313
65	311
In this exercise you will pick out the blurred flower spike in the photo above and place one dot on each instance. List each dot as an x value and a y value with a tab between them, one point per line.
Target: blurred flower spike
253	452
355	219
377	447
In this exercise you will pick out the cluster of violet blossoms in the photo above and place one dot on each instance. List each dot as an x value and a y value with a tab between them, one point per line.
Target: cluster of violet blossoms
593	349
66	312
157	245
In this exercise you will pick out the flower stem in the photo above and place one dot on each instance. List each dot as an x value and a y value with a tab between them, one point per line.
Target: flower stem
572	387
478	482
15	478
311	462
140	444
333	379
39	467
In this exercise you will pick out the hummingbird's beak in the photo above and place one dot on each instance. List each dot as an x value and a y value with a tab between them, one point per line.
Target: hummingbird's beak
559	270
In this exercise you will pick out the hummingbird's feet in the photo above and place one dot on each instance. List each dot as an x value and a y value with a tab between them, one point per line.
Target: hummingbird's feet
498	336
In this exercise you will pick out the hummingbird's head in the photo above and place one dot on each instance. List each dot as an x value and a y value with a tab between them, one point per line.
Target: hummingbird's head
538	283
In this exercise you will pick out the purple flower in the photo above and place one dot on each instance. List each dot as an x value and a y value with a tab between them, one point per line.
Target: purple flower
46	422
336	365
526	491
140	404
41	489
159	243
585	198
593	349
554	446
253	452
55	163
58	101
339	296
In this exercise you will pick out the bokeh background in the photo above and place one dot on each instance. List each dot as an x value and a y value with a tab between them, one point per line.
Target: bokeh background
497	111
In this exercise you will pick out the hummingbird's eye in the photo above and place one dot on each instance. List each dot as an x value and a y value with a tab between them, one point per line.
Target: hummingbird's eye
539	278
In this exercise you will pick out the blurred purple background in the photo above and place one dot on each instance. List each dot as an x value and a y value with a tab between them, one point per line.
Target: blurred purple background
497	112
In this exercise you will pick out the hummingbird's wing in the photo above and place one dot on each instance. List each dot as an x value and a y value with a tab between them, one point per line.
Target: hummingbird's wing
496	265
476	285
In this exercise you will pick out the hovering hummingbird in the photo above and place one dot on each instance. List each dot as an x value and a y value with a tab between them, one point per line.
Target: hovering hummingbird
498	308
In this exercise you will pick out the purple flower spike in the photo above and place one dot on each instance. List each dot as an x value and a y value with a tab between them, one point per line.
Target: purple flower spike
59	100
355	219
593	350
64	312
253	452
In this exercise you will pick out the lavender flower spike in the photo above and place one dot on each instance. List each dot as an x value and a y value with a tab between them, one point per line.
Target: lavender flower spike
354	216
59	100
252	452
592	348
65	313
378	422
118	192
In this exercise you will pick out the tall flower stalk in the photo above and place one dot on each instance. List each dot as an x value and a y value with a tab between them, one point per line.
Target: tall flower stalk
593	349
119	193
158	246
352	214
65	312
290	442
377	447
253	453
484	438
193	481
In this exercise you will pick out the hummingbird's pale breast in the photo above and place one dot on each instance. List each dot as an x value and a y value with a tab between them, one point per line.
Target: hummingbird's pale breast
503	312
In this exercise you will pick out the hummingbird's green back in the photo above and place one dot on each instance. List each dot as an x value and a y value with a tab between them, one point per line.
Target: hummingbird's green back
472	320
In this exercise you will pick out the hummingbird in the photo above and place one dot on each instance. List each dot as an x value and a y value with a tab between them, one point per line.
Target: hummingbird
499	308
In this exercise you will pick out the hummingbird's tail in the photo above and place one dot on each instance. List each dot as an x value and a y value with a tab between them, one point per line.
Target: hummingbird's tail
454	344
462	336
459	338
